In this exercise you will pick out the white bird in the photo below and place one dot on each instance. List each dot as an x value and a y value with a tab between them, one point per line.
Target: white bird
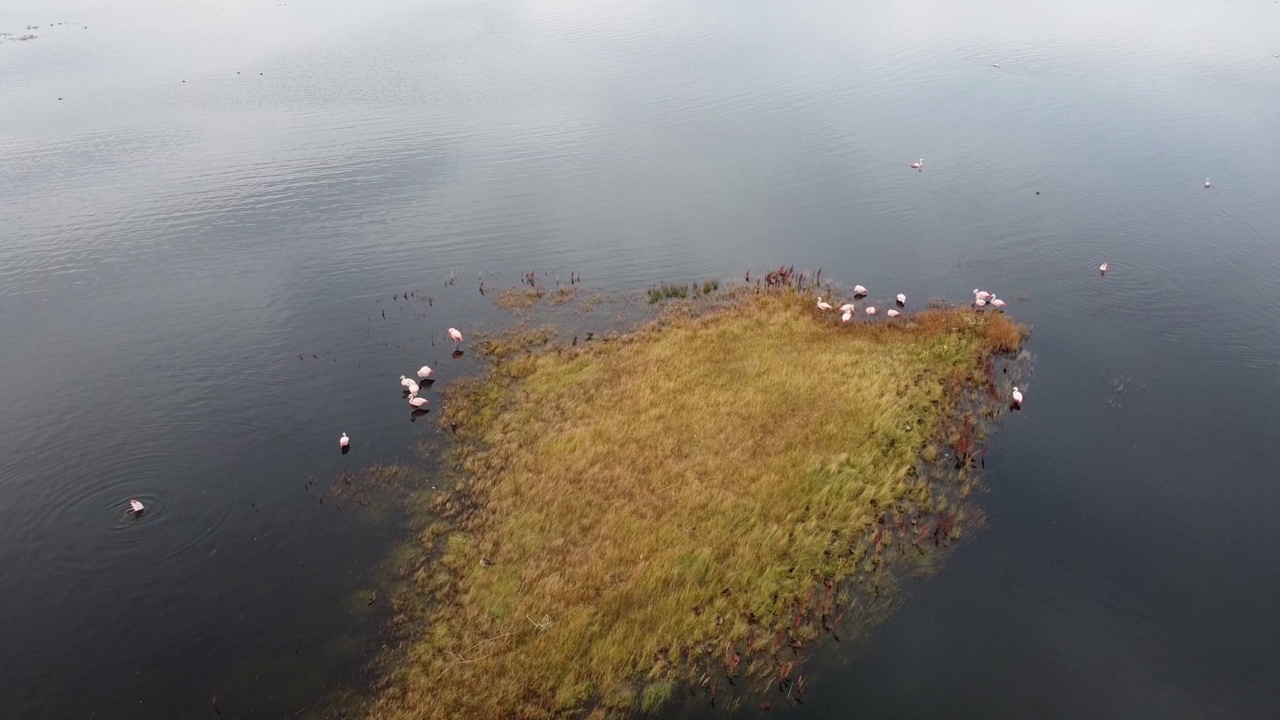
917	164
136	507
847	316
981	294
1017	397
1207	183
902	299
417	402
412	387
871	310
998	302
1103	268
424	372
344	441
848	307
893	313
406	382
979	302
823	305
859	290
454	335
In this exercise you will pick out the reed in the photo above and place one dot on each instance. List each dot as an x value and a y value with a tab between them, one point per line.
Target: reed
643	508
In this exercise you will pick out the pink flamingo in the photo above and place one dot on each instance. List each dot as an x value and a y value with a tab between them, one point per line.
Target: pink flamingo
918	165
1207	183
344	441
454	335
859	290
847	307
1017	397
847	316
979	302
902	299
871	310
893	313
823	305
424	372
412	387
998	302
418	402
1102	269
981	294
135	507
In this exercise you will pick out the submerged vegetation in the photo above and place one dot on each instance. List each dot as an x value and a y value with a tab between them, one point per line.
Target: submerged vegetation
689	505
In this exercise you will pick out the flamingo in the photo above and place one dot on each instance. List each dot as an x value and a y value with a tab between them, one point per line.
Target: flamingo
848	307
823	305
135	507
902	299
981	294
406	382
424	372
454	335
1017	397
998	302
417	402
918	165
344	441
979	302
847	316
1102	269
1207	183
412	387
893	313
859	290
871	310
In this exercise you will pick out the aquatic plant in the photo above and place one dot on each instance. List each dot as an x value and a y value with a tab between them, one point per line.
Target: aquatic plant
690	503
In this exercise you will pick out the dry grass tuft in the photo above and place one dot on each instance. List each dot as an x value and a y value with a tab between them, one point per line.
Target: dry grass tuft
671	497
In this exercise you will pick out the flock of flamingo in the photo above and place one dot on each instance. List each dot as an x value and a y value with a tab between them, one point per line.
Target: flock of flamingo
136	508
981	298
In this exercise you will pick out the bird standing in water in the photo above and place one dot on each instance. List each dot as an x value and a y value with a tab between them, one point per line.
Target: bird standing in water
344	441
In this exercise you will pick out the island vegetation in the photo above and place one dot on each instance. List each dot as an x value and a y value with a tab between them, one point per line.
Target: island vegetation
686	506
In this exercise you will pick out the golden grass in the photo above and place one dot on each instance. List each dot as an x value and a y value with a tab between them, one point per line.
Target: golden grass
672	494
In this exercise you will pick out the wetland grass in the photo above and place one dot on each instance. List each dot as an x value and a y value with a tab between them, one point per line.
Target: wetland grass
647	513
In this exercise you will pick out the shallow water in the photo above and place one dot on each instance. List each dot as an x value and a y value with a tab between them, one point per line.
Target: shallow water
171	248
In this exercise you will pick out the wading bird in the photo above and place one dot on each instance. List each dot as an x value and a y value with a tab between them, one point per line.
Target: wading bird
859	290
1017	397
417	402
902	299
847	316
918	165
406	382
135	507
893	313
344	441
981	294
823	305
1207	183
412	387
424	372
871	310
1102	269
454	335
998	302
847	307
979	302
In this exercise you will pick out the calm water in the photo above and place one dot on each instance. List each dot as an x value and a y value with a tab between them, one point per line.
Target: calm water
169	249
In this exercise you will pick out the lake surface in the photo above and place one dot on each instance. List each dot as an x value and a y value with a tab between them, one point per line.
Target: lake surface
207	207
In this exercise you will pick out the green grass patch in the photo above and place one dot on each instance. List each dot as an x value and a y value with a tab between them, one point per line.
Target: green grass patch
679	498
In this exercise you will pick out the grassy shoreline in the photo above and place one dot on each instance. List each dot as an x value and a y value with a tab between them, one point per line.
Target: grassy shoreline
687	505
